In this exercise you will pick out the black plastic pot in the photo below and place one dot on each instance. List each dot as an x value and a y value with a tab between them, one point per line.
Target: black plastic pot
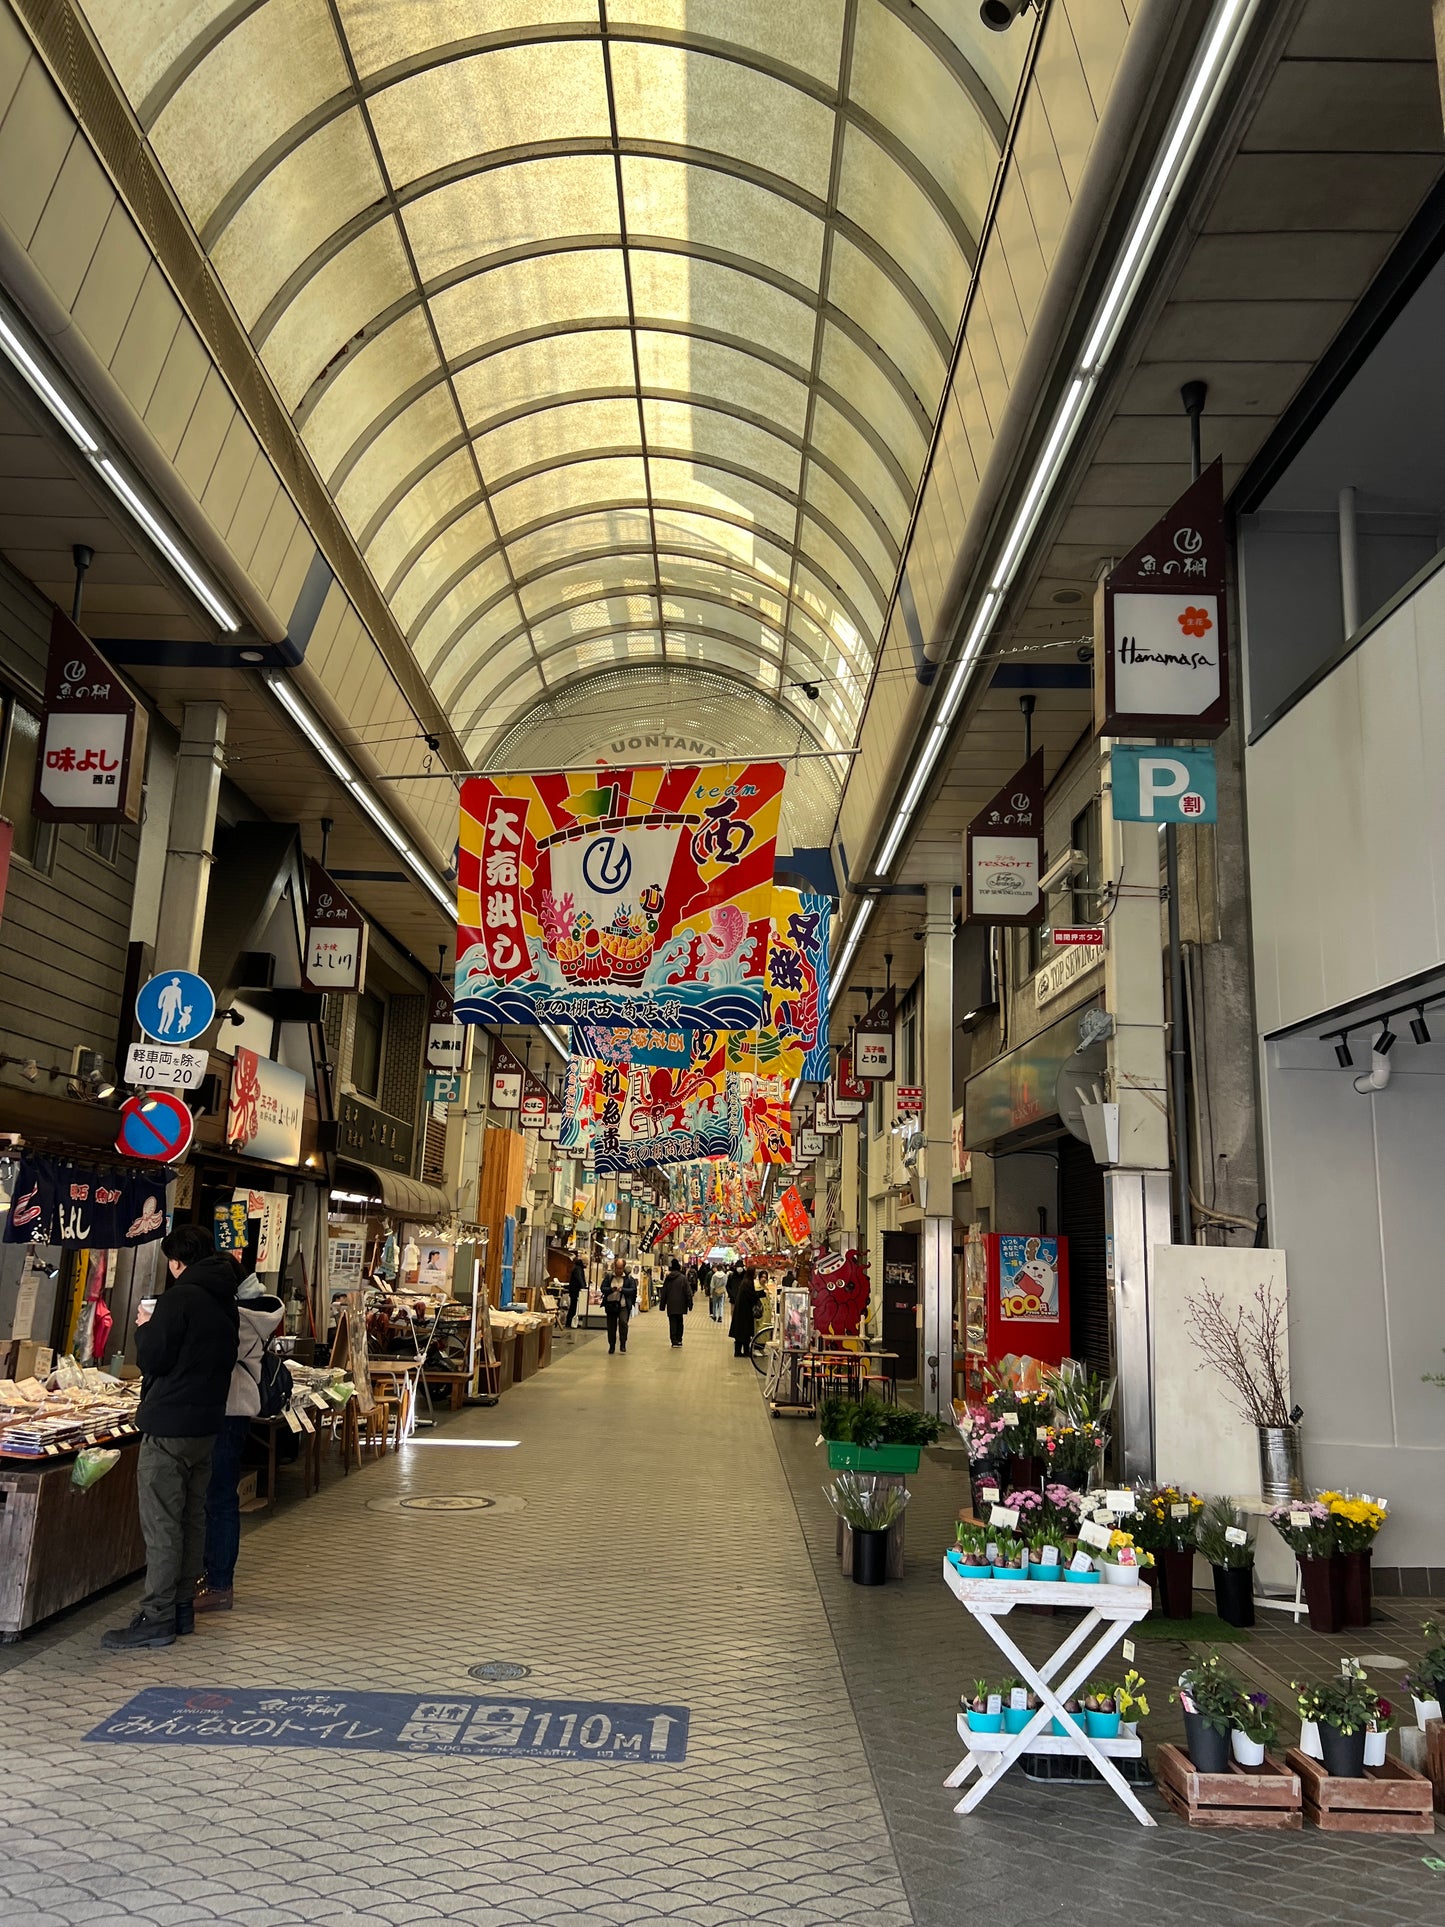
1234	1594
1208	1747
1344	1753
870	1557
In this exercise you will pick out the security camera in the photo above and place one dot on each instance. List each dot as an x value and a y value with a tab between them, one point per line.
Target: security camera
999	15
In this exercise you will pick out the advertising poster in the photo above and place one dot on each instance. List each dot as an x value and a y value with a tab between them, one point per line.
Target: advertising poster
638	896
1028	1278
263	1118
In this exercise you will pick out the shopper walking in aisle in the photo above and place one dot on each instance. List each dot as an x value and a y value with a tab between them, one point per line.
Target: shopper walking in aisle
186	1350
745	1311
717	1286
260	1313
616	1306
576	1285
676	1301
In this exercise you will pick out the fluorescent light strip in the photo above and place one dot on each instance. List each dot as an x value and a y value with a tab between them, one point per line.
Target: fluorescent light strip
165	542
40	383
1192	117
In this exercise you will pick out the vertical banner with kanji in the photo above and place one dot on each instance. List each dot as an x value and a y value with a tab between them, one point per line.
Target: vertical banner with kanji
638	896
90	764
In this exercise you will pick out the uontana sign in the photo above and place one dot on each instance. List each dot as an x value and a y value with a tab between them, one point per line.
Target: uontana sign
636	896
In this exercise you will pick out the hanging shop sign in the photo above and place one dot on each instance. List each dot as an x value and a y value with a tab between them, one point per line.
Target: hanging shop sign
165	1067
335	935
551	1131
873	1044
266	1217
909	1100
156	1127
1159	625
641	896
267	1104
1004	853
55	1202
369	1136
443	1032
509	1074
792	1215
1163	785
824	1123
91	758
229	1225
848	1086
536	1102
810	1146
175	1007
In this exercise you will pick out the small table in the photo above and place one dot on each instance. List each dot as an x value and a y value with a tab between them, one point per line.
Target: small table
1109	1612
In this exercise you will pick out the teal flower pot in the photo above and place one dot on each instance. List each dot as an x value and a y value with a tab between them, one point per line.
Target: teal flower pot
1016	1718
1010	1572
1062	1730
1081	1578
985	1722
1101	1726
1046	1572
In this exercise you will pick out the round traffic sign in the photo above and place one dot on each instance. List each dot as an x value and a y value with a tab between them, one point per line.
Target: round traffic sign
154	1125
175	1007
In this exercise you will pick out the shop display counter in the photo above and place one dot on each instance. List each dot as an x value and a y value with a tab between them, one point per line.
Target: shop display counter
59	1542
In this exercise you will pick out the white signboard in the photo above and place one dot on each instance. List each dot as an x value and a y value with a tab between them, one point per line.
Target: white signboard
165	1067
1005	876
1065	968
809	1146
335	957
1166	654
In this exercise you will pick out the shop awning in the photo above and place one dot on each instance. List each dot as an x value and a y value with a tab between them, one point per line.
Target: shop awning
404	1197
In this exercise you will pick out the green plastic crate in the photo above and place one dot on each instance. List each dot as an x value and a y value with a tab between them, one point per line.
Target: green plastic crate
846	1457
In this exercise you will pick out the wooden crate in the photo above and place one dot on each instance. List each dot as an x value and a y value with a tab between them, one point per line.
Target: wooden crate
1246	1796
1392	1798
1435	1760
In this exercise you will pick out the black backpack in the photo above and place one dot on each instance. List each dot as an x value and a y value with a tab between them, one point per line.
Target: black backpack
274	1379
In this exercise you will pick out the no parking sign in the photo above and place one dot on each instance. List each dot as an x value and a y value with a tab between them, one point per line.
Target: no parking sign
155	1126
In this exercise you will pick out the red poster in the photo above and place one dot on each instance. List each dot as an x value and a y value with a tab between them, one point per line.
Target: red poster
793	1216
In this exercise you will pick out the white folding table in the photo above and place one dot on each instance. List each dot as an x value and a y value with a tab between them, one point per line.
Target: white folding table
1108	1613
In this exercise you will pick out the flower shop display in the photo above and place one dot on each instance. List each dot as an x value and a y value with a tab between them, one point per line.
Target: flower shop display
1101	1711
1133	1703
970	1552
868	1506
1163	1524
1246	1349
1023	1418
1209	1696
1010	1555
1356	1786
1308	1529
1121	1561
1357	1519
868	1435
1049	1550
1077	1435
1426	1683
1255	1730
1222	1535
1342	1706
983	1708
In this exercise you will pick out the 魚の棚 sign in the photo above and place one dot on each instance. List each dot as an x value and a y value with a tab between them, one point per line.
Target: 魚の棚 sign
1163	785
335	935
1004	853
90	760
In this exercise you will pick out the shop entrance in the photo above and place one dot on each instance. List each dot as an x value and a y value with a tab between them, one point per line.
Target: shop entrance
900	1300
1081	1220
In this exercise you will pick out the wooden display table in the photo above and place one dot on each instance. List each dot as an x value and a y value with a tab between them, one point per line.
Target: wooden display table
60	1543
1109	1612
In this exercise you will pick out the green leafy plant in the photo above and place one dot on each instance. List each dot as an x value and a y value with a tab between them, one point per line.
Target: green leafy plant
864	1504
869	1422
1256	1719
1344	1699
972	1542
1206	1688
1133	1705
1101	1696
1011	1550
1219	1518
1427	1680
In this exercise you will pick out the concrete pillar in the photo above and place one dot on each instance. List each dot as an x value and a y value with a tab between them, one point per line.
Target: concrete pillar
1136	1190
936	1159
190	848
848	1186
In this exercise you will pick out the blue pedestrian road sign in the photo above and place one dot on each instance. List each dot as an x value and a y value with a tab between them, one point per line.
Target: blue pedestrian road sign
175	1006
1163	784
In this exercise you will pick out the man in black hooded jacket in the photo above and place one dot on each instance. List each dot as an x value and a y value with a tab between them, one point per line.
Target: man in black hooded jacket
186	1350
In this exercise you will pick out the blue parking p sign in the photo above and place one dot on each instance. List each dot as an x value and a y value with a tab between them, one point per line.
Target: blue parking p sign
1163	784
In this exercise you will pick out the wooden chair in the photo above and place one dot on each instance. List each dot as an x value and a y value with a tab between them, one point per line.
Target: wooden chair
342	1426
379	1423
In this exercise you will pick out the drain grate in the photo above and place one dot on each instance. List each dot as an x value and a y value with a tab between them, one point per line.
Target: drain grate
494	1669
431	1502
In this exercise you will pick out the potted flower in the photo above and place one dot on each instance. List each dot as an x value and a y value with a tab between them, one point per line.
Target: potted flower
983	1709
1020	1703
1163	1524
1255	1729
1222	1534
1133	1705
1308	1530
1426	1684
1010	1556
1121	1561
868	1508
1377	1733
1023	1416
1343	1706
1048	1553
982	1434
1357	1521
867	1435
1101	1711
1071	1705
1209	1697
971	1550
1078	1435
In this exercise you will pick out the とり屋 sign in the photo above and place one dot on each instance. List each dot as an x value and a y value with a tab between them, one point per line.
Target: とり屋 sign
1163	785
873	1040
335	935
91	759
1162	662
1004	853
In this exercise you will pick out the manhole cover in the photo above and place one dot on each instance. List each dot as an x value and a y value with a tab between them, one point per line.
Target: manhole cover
446	1502
499	1669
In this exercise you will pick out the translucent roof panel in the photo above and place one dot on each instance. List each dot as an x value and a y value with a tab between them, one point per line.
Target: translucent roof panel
618	335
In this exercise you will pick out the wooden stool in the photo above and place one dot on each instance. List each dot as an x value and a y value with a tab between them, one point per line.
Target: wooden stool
347	1434
385	1413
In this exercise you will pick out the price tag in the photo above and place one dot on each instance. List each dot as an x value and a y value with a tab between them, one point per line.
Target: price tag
292	1422
988	1494
1095	1535
1128	1651
1236	1536
1119	1501
1301	1521
995	1703
1081	1562
303	1419
51	1450
1018	1698
1003	1515
1049	1556
1010	1420
1179	1511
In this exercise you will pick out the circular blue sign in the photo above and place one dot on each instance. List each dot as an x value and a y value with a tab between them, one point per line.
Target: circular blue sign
156	1125
175	1007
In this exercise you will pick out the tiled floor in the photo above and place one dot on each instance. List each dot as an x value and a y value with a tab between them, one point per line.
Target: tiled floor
672	1545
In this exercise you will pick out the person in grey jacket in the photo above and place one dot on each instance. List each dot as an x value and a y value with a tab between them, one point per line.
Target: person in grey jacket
260	1314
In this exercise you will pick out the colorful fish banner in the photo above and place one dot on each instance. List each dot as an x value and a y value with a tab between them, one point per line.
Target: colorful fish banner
636	1044
763	1119
636	896
630	1117
793	1042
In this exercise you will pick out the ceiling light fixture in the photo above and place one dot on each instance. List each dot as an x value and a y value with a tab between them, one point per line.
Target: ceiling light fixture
1419	1029
1343	1055
1385	1042
1212	69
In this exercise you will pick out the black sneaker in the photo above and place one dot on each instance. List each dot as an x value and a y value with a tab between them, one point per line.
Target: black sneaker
185	1617
140	1632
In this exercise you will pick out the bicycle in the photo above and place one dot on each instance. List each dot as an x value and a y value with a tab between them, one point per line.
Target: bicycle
768	1362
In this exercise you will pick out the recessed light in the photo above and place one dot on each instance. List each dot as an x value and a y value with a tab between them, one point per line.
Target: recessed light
253	655
1067	595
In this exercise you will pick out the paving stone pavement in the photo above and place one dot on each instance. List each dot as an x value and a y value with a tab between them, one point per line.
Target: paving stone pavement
1032	1851
657	1557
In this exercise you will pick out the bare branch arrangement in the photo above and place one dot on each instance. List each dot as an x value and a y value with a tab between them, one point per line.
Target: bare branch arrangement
1246	1348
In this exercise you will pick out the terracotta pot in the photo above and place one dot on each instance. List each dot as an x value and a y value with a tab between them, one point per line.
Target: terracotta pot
1322	1590
1355	1587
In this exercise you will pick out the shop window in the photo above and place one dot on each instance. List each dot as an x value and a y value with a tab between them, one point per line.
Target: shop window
103	840
1087	837
19	739
366	1044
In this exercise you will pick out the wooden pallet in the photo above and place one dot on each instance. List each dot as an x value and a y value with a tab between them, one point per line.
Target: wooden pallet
1246	1796
1392	1798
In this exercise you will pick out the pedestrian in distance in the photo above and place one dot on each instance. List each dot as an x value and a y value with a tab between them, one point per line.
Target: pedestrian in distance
745	1311
186	1349
260	1312
735	1278
616	1306
676	1301
576	1285
717	1293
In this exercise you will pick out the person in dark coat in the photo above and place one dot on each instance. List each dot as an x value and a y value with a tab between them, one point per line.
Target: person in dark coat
616	1305
676	1300
735	1278
745	1311
576	1285
186	1349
